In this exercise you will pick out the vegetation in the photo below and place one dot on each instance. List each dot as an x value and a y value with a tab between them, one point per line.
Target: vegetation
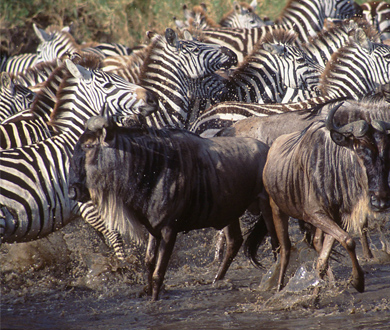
122	21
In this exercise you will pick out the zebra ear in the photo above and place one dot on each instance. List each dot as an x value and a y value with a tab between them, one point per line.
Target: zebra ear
5	81
362	40
78	71
66	29
171	37
253	4
237	7
188	35
41	34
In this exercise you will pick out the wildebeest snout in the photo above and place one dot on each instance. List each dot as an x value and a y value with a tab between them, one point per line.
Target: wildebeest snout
380	203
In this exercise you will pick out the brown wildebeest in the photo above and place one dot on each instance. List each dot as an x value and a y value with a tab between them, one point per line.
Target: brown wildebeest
328	176
169	181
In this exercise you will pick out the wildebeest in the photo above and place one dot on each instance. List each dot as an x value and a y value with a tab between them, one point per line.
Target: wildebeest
169	181
328	176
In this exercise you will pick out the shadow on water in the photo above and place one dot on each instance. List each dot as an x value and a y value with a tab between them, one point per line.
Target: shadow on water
71	280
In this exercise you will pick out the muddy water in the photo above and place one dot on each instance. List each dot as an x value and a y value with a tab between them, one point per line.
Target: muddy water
71	280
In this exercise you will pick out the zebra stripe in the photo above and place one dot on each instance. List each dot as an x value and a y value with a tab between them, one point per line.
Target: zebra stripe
377	13
18	63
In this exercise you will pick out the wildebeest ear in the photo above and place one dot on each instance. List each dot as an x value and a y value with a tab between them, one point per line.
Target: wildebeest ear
77	71
171	37
340	139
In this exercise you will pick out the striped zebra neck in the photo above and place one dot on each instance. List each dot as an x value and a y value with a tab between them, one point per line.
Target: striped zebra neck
356	70
307	17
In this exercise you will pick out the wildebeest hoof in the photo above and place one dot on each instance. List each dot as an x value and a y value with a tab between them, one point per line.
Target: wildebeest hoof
358	284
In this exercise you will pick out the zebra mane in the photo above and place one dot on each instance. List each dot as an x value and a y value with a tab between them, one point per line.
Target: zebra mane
88	61
278	36
337	61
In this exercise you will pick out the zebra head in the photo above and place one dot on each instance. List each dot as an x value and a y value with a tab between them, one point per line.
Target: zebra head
195	59
88	92
13	97
55	43
296	69
244	16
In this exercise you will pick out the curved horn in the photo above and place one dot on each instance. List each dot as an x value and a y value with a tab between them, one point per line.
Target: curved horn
97	122
380	125
357	128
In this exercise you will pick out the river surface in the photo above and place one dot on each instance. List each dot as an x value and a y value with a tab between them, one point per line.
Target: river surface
71	280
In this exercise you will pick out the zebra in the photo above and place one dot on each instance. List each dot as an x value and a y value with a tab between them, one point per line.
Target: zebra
13	97
34	194
355	71
276	67
54	43
377	13
358	69
242	16
306	17
174	70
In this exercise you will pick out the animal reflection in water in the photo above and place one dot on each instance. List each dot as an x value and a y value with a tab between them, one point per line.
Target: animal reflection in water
170	181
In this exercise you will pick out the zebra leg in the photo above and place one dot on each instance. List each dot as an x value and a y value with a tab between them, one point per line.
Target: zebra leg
7	223
90	215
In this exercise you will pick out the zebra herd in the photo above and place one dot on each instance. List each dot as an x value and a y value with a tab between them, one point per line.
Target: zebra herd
202	78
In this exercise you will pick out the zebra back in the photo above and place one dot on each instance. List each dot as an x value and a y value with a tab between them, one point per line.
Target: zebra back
18	63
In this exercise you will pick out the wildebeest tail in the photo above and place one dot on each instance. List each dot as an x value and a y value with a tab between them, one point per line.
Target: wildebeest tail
255	238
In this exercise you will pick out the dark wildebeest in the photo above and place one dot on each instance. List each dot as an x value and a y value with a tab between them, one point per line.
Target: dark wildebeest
328	176
169	181
269	128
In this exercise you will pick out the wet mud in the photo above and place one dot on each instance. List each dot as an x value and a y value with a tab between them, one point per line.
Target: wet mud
72	280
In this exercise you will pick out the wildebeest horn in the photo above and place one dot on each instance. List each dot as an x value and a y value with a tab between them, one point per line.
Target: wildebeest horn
96	122
380	125
357	128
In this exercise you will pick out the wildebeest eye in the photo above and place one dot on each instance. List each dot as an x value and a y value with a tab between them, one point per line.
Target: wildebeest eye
108	85
87	146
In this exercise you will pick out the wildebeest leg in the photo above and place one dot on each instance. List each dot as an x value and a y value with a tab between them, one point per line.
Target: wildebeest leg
323	258
331	228
150	260
281	227
219	246
167	242
266	210
318	240
233	243
364	241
